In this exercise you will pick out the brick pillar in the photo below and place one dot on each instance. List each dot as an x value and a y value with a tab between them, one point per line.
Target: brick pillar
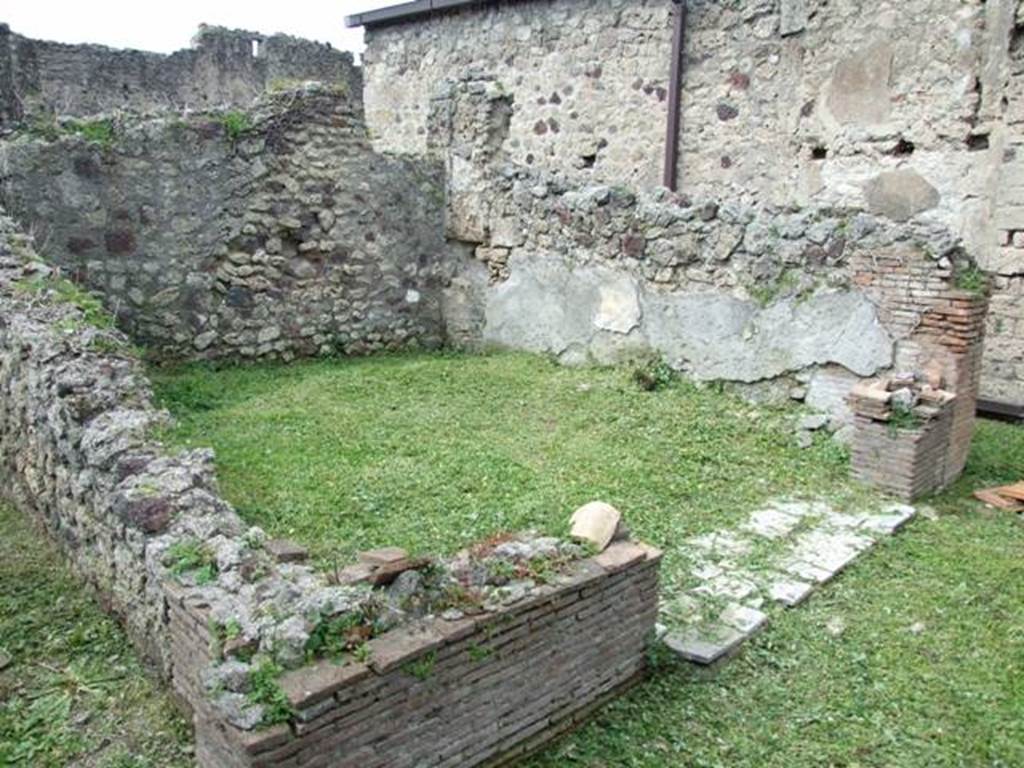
956	324
926	450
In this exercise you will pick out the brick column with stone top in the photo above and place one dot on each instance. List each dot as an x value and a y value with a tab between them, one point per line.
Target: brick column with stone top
913	431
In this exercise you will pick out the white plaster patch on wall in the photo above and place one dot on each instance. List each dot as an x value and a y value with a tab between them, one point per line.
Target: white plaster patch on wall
720	337
547	306
618	307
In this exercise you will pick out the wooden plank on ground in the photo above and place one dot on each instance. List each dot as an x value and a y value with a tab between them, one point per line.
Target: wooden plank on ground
992	497
1015	491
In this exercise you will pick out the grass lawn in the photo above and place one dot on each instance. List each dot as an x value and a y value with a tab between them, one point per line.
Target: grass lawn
432	452
924	663
74	693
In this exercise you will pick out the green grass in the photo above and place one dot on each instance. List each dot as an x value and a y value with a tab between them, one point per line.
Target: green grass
432	452
64	291
74	693
97	131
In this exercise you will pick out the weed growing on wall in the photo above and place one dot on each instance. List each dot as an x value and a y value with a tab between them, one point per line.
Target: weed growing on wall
63	290
191	556
971	279
766	293
236	125
48	128
653	373
96	131
336	636
42	127
423	667
266	691
902	418
362	653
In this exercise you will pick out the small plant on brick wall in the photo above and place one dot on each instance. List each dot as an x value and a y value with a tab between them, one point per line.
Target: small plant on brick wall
192	557
362	653
423	667
338	635
479	653
971	279
222	633
266	691
901	417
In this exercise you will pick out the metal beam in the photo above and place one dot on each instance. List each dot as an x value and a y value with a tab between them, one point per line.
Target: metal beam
675	96
993	409
408	11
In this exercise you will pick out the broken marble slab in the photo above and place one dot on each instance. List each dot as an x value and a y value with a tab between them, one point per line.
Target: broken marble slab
805	571
789	592
802	508
706	571
707	643
771	523
720	544
829	552
729	585
889	520
841	521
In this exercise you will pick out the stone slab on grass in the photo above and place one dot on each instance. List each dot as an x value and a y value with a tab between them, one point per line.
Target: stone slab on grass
808	543
707	643
790	592
890	520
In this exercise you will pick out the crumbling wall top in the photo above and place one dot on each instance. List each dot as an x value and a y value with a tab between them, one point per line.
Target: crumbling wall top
223	68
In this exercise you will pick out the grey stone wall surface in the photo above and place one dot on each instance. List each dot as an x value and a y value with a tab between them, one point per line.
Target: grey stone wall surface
724	290
1004	359
283	235
901	109
40	78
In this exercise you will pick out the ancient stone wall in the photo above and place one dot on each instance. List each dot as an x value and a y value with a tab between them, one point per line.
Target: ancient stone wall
897	109
214	605
223	67
811	298
274	232
724	292
1004	358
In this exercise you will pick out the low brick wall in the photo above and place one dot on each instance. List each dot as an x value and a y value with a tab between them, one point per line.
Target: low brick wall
211	603
487	688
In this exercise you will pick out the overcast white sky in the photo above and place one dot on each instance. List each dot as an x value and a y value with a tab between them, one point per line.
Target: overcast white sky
168	25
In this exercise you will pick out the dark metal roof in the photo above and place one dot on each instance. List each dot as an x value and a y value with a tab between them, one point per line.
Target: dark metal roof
408	11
